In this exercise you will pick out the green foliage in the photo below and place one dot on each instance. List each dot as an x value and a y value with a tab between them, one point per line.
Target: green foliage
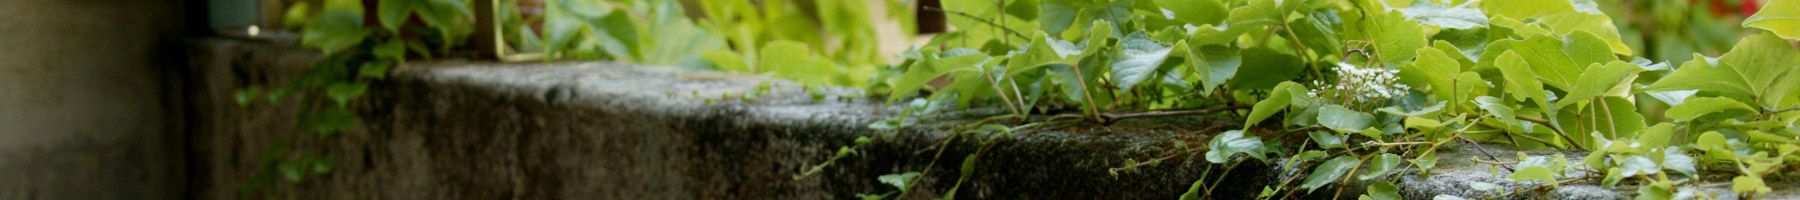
1780	16
1531	74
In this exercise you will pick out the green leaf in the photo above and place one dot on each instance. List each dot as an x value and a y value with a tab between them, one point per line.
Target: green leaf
1768	65
1675	159
1496	109
1535	168
1329	172
1705	75
1425	162
1397	39
1056	16
1597	80
1562	17
1137	60
375	70
1278	100
244	96
1586	49
393	13
898	180
792	60
1749	185
334	31
1382	191
333	120
1638	165
1457	17
1695	107
1264	68
342	93
1521	82
295	16
1195	11
1657	136
1223	147
1327	140
1386	163
1779	16
1343	119
1044	50
1436	69
1213	64
1549	62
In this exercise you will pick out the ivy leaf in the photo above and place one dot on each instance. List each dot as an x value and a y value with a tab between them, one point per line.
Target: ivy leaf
1425	162
1597	80
1137	60
1329	172
1381	166
1657	136
1749	184
1535	168
1327	140
332	120
1056	16
1545	56
393	13
1496	109
1638	165
1586	49
334	31
1264	68
1436	69
244	96
792	60
1278	100
1381	191
1213	64
1780	16
1675	159
1767	64
1231	143
1562	17
1195	11
1044	50
898	180
1397	39
375	69
1521	83
1458	17
1693	108
342	93
1343	119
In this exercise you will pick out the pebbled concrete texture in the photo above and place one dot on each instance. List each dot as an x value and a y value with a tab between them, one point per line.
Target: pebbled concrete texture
84	107
596	130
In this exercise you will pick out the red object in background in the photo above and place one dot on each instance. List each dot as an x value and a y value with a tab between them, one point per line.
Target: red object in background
1720	8
1748	7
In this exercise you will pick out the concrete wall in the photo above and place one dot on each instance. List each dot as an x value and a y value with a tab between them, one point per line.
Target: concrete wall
83	107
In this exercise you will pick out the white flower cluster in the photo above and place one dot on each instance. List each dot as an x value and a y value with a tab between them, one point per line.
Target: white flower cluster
1364	84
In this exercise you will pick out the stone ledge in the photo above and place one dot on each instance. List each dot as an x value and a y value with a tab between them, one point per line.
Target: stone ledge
461	130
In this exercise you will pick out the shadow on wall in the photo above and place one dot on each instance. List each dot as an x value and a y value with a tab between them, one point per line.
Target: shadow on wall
86	111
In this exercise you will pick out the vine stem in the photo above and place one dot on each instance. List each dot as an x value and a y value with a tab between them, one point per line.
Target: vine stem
1014	33
1082	82
1002	92
1109	117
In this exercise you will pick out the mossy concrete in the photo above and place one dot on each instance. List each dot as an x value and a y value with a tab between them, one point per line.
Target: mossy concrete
597	130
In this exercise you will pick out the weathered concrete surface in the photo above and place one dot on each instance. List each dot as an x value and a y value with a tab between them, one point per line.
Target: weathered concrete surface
590	130
595	130
83	107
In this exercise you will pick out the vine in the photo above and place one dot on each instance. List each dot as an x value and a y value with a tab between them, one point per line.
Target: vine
1378	87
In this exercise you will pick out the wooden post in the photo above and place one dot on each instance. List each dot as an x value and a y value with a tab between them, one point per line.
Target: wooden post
487	38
